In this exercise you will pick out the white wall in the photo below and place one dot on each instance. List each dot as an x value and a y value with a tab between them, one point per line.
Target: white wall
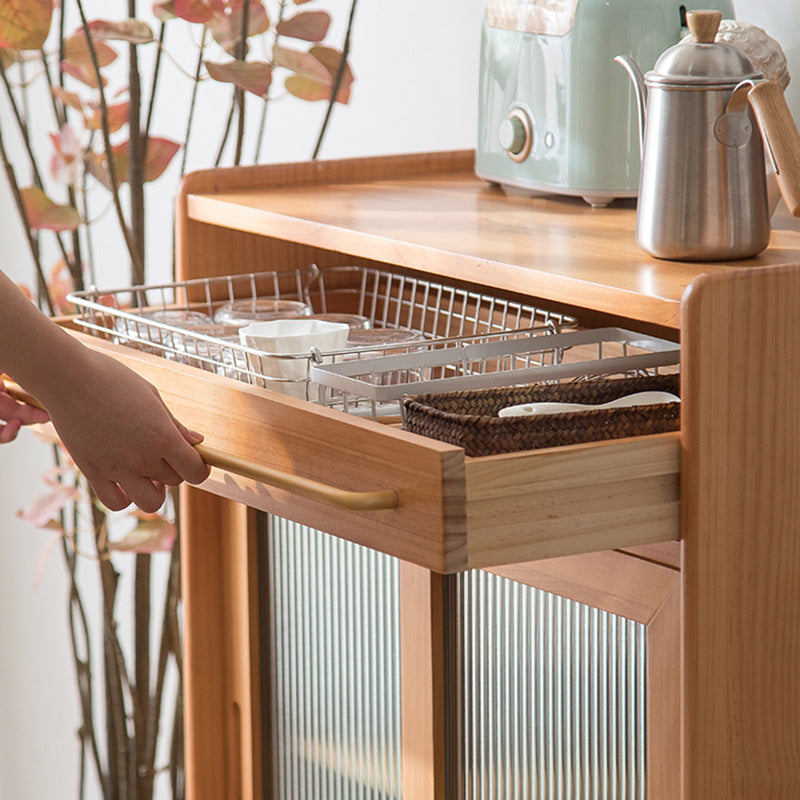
416	66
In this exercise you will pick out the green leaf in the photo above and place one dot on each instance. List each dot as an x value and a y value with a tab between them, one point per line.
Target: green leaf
25	24
129	30
44	214
252	76
310	26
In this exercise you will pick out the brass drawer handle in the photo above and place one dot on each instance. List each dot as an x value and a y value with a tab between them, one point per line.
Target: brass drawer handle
305	487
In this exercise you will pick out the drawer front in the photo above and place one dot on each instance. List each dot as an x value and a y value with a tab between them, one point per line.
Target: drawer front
452	512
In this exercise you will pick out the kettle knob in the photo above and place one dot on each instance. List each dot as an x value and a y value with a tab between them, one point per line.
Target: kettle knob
703	25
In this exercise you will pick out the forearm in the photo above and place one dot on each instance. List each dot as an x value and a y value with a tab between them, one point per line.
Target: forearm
34	351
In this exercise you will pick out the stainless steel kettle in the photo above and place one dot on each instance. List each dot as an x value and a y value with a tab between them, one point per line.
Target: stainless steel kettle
702	191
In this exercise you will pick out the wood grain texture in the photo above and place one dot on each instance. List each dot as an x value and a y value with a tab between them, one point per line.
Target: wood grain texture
612	581
222	700
568	500
422	683
429	212
664	697
741	527
428	526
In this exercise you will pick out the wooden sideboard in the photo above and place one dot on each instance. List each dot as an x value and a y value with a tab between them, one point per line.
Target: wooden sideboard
693	534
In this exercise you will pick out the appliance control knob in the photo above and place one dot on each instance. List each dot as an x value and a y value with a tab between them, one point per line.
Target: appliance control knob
516	134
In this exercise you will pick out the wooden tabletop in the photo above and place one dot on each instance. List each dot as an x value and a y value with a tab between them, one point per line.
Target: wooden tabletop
449	222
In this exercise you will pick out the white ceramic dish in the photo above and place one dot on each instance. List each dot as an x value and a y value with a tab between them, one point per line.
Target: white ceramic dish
287	344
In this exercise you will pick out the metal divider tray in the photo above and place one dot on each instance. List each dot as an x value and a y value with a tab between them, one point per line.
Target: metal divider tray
446	319
442	366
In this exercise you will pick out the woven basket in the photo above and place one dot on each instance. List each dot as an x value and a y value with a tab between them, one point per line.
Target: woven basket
469	418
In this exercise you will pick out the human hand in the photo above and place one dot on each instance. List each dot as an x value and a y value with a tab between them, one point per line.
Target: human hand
15	414
122	436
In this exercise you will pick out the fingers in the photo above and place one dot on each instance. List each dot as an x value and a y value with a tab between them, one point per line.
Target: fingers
9	431
10	409
109	494
147	494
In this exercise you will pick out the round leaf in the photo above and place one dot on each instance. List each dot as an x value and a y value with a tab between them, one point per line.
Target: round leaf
44	214
310	26
252	76
129	30
25	25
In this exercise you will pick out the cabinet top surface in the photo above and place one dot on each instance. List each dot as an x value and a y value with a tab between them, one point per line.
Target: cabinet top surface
432	214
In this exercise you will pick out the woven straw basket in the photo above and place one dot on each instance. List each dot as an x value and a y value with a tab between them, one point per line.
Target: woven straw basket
469	419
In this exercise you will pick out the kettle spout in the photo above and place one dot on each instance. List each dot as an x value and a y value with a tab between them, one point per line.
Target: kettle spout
632	68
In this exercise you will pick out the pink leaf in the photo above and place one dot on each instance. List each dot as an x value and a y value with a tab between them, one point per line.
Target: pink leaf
310	26
252	76
24	25
129	30
159	154
303	64
117	117
43	213
226	26
47	507
192	10
68	98
330	58
151	535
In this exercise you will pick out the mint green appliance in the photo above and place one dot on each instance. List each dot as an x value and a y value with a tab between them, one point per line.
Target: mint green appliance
556	113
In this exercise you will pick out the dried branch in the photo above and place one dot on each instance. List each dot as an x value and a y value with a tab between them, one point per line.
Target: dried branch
337	80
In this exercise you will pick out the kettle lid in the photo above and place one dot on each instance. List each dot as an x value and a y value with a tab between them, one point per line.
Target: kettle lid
701	61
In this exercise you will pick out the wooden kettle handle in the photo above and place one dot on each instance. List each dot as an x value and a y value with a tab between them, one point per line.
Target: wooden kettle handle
781	138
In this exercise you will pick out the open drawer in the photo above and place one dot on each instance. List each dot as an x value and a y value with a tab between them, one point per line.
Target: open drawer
412	497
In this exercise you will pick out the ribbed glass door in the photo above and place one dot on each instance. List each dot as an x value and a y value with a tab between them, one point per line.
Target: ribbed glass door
545	697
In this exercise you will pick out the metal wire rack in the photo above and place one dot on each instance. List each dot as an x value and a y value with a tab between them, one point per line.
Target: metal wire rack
466	336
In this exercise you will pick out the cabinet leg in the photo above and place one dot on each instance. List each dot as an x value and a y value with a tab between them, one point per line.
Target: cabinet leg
220	670
422	683
740	501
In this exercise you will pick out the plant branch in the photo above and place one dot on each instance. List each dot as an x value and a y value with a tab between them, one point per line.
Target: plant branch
263	120
44	291
195	87
239	94
137	265
162	33
36	176
337	80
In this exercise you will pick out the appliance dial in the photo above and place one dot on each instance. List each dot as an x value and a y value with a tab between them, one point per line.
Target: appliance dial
516	134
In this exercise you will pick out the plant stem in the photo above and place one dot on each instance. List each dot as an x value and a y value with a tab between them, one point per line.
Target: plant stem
36	176
162	33
337	80
141	694
78	625
137	152
263	120
44	291
195	87
75	261
137	266
239	94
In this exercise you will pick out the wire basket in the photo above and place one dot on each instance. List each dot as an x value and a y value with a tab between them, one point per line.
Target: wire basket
176	321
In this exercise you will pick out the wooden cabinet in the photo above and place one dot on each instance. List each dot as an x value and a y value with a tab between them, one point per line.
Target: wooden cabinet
723	717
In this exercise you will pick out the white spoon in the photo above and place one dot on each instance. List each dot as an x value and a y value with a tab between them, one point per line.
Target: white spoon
637	399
